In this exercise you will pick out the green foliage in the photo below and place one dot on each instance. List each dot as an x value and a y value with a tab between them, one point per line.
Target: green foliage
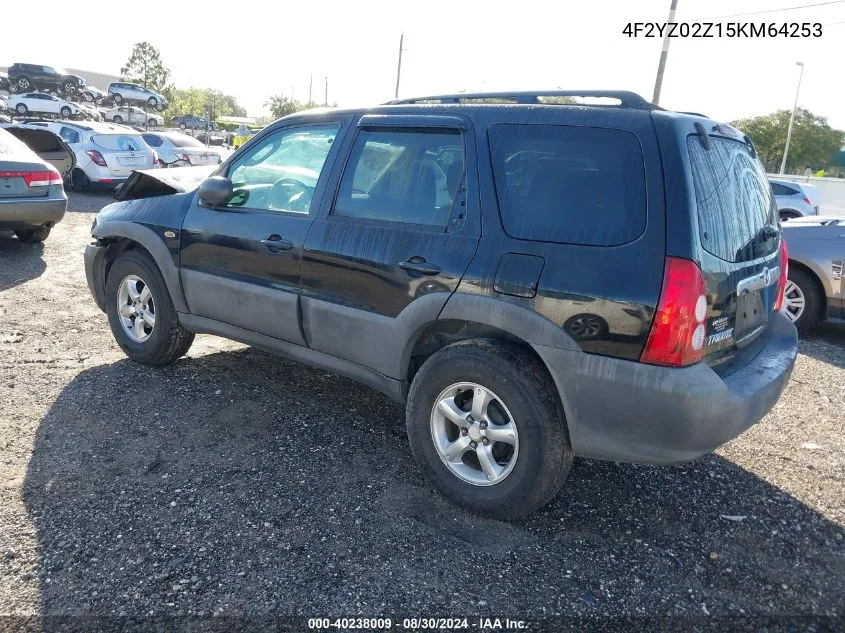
198	101
145	67
280	105
813	140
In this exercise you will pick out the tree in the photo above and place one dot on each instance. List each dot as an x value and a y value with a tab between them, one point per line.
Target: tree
280	105
198	101
813	141
145	67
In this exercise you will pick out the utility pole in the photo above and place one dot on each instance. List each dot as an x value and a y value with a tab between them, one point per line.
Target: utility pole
658	83
792	119
399	66
327	93
310	86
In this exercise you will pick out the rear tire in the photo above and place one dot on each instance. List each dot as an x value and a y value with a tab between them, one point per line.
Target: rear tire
167	340
24	84
182	126
787	214
21	109
802	285
65	112
32	236
117	99
69	87
79	180
117	118
521	392
152	123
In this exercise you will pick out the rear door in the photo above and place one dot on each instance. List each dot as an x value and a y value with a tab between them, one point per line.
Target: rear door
739	238
394	240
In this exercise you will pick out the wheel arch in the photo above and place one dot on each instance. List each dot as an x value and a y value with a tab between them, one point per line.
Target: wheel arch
789	213
122	236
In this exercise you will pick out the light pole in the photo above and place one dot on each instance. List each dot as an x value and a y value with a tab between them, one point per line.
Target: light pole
661	66
792	118
399	66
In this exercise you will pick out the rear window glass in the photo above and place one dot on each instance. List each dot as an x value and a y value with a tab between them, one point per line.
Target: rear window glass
782	190
575	185
734	199
122	142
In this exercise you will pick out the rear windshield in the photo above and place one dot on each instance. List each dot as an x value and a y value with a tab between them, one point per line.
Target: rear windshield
575	185
119	142
734	199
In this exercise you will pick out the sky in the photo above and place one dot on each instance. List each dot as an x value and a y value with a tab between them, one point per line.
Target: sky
253	49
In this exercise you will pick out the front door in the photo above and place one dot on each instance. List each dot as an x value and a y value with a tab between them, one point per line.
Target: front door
387	252
240	262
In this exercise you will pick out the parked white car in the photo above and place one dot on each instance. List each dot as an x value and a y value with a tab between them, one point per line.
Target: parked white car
121	91
180	150
41	103
106	154
134	116
794	199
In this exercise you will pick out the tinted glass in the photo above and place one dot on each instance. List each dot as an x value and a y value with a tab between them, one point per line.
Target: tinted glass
574	185
782	190
734	199
280	173
183	140
152	140
409	176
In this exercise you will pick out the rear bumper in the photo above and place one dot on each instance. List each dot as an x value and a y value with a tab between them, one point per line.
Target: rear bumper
627	411
22	213
95	273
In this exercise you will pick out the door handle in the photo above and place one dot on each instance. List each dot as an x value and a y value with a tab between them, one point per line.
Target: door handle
419	265
275	243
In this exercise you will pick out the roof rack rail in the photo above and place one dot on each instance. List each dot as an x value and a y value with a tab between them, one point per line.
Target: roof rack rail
627	99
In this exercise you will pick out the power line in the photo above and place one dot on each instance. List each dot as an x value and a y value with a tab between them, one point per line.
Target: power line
739	15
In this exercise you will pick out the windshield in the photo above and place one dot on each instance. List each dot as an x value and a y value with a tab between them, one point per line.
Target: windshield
183	140
119	142
734	199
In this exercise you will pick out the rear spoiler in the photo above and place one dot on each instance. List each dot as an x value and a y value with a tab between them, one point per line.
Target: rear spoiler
148	183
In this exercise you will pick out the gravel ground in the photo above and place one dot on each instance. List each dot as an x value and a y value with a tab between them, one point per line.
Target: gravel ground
237	484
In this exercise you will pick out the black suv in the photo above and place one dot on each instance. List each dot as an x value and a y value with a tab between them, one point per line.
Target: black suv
29	77
535	280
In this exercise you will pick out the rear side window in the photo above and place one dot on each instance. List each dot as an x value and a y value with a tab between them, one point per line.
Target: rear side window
69	134
734	199
782	190
152	140
574	185
407	176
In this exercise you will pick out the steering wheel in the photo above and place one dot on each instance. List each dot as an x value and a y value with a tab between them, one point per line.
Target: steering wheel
289	194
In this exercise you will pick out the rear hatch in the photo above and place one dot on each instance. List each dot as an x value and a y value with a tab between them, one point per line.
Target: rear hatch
123	153
739	237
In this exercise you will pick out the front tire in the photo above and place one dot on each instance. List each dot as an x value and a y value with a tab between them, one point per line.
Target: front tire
31	236
152	123
66	112
79	180
69	87
118	99
487	429
787	214
117	118
21	109
141	315
802	300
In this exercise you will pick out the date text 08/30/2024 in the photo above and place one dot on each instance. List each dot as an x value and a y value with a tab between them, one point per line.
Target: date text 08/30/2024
419	624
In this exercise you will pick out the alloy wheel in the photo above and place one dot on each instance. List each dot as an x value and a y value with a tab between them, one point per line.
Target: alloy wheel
136	308
794	301
474	434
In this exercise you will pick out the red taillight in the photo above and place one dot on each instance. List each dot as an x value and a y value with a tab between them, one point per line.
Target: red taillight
784	272
678	330
156	159
186	158
807	200
36	178
97	157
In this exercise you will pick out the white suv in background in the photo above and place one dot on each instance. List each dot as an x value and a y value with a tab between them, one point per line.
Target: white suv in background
106	154
41	103
121	91
134	116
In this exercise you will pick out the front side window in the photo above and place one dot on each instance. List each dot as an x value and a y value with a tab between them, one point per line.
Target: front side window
281	171
408	176
571	185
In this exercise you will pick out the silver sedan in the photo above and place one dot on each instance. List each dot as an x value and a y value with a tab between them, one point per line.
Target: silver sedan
815	289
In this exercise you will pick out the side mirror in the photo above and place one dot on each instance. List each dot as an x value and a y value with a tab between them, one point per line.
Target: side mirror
216	190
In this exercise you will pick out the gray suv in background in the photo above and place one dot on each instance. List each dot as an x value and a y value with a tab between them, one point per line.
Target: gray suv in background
794	199
121	91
